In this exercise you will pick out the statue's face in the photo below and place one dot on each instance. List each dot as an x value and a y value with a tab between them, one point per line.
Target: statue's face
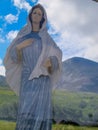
36	15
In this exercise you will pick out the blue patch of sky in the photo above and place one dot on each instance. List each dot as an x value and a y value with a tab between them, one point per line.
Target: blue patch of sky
1	23
6	7
22	18
2	51
32	2
56	35
6	27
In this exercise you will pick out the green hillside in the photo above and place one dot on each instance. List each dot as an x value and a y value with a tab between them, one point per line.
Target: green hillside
8	104
80	108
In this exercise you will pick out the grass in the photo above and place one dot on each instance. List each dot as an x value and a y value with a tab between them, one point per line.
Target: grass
7	96
70	127
80	106
5	125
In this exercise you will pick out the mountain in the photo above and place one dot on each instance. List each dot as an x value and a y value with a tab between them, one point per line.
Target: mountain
79	74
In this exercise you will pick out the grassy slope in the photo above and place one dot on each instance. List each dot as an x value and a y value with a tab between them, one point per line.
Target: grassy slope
6	95
81	107
70	105
5	125
8	104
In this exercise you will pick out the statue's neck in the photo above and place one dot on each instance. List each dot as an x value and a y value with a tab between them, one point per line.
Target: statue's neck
36	27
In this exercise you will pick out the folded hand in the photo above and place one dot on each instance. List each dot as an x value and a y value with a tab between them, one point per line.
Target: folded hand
24	44
47	63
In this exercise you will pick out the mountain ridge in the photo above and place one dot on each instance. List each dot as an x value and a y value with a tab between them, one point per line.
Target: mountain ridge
78	74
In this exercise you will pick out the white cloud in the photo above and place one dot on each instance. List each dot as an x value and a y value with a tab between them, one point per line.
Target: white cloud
1	37
76	21
0	61
92	53
11	35
22	4
10	18
2	70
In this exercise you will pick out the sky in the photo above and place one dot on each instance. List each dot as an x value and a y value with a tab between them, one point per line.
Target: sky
73	24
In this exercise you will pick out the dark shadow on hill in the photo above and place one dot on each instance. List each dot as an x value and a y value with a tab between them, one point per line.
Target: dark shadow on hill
69	122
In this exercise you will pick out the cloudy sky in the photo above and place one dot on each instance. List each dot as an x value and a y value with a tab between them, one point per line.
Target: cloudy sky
73	24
